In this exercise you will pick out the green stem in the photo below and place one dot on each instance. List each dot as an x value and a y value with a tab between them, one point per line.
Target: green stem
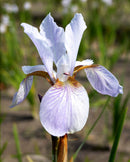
16	137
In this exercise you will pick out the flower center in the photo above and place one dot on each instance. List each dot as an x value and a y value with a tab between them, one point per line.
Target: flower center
63	72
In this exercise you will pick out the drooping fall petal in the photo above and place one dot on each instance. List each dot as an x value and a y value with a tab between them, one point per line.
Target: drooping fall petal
73	35
23	91
64	108
103	81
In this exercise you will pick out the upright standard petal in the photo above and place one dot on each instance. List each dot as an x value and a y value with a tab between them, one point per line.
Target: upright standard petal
42	47
54	35
103	81
73	35
23	91
64	108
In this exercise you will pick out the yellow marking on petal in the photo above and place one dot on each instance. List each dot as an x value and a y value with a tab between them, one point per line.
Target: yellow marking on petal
71	81
74	82
42	74
58	84
81	67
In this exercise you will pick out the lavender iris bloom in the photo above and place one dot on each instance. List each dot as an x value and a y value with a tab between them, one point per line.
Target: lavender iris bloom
65	106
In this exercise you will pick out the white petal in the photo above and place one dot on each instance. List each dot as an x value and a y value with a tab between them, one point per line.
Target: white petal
64	109
31	69
63	68
103	81
54	35
73	35
23	91
108	2
86	62
41	45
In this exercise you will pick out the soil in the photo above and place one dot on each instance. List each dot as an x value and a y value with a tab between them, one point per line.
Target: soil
35	142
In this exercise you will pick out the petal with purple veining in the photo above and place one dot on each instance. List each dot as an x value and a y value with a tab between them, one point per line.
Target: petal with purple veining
103	81
64	108
23	91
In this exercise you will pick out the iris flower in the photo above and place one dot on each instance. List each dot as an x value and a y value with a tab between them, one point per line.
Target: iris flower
65	106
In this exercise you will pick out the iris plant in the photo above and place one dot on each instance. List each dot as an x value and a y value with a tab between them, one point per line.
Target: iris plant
65	106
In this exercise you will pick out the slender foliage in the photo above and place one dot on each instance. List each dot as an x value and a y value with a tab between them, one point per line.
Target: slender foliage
17	143
118	108
2	149
117	135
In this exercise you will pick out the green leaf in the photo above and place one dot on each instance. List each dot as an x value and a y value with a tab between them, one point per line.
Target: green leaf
126	101
3	148
117	136
118	108
16	138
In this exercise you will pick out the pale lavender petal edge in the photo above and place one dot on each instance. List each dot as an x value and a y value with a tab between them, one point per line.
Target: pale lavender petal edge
86	62
23	91
31	69
73	36
55	37
103	81
42	46
64	109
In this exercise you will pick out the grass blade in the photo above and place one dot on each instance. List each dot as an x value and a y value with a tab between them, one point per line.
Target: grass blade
117	136
2	149
16	138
